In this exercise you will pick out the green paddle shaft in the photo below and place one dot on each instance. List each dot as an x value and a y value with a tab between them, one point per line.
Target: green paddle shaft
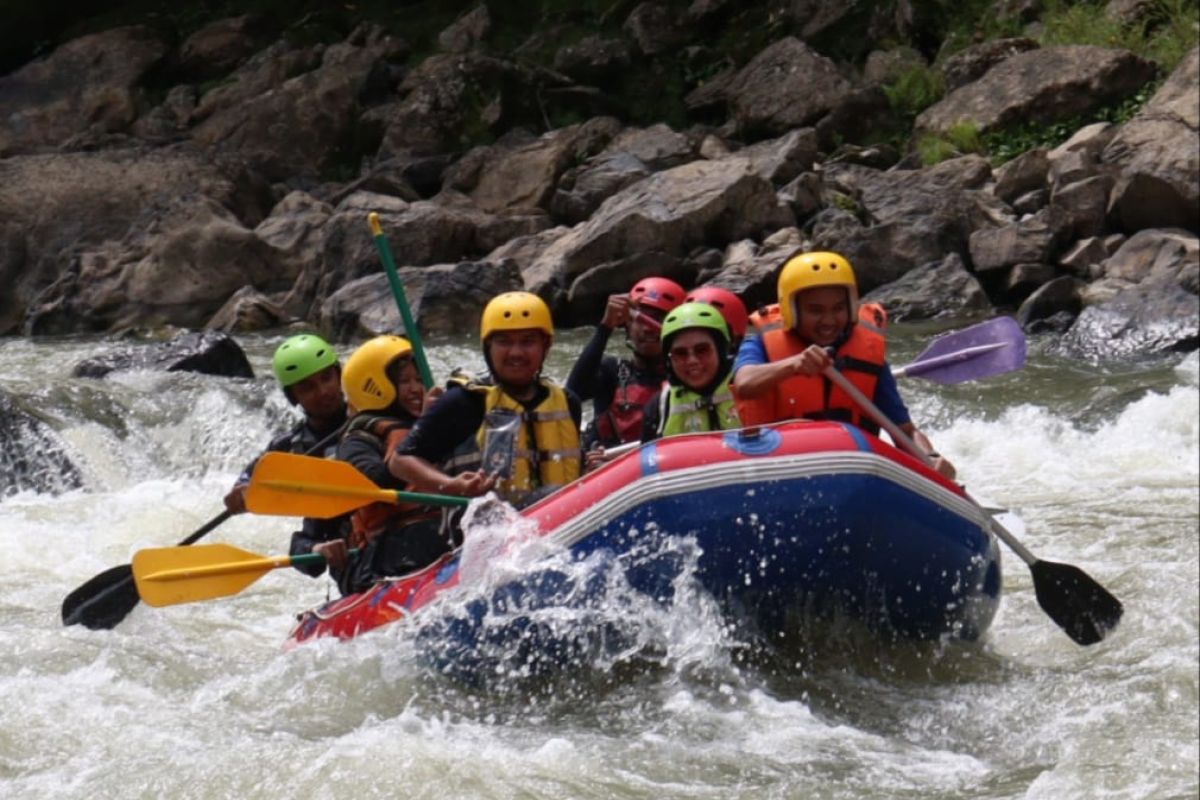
410	327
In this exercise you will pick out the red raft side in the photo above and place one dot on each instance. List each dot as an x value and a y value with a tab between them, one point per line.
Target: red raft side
392	600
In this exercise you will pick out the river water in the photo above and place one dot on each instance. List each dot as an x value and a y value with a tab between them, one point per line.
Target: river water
201	701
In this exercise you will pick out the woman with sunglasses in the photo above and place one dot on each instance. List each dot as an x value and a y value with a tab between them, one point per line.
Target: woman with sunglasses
696	397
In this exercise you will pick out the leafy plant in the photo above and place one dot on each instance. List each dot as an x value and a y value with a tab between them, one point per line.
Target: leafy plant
914	90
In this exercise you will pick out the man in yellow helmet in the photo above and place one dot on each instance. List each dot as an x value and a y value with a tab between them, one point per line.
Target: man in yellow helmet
386	396
818	323
521	429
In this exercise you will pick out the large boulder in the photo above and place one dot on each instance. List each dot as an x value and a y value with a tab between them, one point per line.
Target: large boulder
522	176
324	103
443	298
32	455
938	289
205	352
454	100
89	83
420	234
1158	154
910	217
1146	303
181	273
788	85
1043	85
54	209
670	212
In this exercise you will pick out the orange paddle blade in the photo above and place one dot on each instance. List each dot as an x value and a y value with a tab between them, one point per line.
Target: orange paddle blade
167	576
303	486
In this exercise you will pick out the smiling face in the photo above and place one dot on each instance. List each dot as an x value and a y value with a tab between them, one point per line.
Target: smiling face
410	392
516	356
694	358
822	314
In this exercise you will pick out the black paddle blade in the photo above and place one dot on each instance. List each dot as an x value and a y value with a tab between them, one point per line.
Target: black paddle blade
104	601
1081	606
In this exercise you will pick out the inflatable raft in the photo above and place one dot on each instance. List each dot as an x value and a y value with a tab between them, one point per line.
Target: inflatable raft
789	521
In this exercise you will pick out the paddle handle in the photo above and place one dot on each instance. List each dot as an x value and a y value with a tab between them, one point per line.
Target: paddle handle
930	364
263	564
206	528
410	327
908	445
250	565
367	493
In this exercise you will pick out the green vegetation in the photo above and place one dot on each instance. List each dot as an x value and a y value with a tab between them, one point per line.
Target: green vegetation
1164	35
914	90
1004	145
962	138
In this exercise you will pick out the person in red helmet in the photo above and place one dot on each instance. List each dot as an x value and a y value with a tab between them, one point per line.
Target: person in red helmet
731	307
620	388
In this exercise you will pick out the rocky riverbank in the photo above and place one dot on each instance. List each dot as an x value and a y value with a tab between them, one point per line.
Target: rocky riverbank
205	183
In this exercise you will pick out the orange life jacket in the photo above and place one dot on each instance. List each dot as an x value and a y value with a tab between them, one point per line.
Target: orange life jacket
860	358
368	522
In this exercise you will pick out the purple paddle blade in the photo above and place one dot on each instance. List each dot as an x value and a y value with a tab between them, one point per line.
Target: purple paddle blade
989	348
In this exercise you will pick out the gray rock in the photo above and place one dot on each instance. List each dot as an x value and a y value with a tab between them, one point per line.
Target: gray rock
467	32
1023	174
972	63
1158	155
788	85
220	47
206	352
938	289
1060	296
1083	205
1143	320
87	84
1045	85
443	298
1028	241
32	455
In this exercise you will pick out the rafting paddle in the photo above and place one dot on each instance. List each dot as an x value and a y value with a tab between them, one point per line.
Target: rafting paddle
410	327
167	576
105	600
988	348
1073	599
300	486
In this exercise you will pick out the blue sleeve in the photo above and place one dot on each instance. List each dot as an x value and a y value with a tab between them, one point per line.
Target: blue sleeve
887	397
752	353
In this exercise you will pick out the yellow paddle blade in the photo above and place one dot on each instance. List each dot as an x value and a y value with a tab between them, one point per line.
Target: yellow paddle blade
166	576
302	486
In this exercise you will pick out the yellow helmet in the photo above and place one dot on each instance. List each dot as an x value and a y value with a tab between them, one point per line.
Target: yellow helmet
365	381
514	311
808	271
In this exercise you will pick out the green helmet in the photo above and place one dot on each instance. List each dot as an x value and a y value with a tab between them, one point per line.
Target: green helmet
694	315
301	357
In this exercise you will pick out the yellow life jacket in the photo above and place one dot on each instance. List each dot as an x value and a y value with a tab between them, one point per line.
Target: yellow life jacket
686	411
545	452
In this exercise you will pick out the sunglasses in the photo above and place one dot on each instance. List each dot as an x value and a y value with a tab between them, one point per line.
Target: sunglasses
699	351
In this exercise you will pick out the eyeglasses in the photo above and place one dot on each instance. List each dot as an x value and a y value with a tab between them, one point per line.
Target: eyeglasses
701	351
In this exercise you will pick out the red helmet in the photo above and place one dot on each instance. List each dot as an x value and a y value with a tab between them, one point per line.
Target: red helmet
729	304
661	293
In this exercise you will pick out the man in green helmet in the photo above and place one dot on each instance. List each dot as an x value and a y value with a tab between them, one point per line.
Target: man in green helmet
307	369
697	397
